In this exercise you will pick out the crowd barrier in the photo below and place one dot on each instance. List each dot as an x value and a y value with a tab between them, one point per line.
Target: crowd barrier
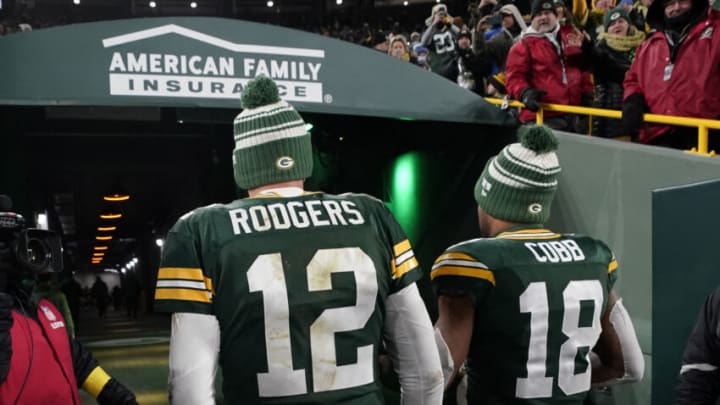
702	124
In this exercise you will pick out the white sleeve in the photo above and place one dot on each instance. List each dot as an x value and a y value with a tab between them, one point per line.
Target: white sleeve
446	360
631	352
633	361
194	347
411	345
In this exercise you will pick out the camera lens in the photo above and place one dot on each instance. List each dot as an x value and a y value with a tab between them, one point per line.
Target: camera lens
38	255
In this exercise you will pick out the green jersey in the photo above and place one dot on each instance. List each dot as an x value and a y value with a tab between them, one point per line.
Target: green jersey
298	287
442	51
539	297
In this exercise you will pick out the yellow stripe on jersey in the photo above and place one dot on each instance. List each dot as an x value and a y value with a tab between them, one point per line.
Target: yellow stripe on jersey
182	294
463	271
612	266
184	273
403	268
401	247
275	194
529	234
209	285
454	256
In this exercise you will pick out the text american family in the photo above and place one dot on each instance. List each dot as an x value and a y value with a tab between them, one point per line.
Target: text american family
210	75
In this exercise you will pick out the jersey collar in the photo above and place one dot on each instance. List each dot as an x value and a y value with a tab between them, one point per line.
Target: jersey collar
527	231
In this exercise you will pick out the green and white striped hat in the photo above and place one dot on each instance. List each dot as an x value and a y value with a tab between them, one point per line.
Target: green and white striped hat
518	185
271	142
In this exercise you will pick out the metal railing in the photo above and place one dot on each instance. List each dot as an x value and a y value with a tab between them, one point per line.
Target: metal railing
702	124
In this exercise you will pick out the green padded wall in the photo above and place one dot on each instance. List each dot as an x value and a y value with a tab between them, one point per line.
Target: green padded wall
606	191
686	260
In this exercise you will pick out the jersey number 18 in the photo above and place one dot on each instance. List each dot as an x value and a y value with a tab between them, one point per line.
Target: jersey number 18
534	300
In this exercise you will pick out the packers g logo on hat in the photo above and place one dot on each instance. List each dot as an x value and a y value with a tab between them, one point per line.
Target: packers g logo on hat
285	163
535	208
614	16
547	6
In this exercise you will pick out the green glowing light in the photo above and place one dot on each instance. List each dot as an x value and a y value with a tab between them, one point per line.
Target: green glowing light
403	192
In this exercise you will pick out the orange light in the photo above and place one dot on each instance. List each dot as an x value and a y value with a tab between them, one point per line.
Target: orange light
106	228
104	237
96	261
110	216
98	254
116	197
100	248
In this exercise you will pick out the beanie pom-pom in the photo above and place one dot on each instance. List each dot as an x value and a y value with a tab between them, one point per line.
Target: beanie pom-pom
539	139
259	92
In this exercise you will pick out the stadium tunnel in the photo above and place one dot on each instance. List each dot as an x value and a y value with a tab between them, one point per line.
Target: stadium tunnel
145	108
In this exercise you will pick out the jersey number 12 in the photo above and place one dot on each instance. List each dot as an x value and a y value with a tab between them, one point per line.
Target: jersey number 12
266	275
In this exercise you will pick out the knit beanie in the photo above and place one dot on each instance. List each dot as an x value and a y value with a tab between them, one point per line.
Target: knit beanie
614	14
271	142
518	185
540	5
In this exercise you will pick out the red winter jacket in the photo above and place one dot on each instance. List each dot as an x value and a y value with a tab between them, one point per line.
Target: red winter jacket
41	369
693	88
542	69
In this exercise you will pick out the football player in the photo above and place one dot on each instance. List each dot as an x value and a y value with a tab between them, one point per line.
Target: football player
522	307
294	293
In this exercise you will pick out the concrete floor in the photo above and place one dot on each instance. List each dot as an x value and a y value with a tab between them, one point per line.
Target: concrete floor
134	351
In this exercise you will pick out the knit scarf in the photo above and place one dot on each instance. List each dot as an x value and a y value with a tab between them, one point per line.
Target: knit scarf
623	43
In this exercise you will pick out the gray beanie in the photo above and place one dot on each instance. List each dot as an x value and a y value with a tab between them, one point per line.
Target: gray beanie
518	185
271	142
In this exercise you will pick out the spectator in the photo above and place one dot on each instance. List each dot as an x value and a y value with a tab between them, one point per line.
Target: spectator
132	289
380	41
495	51
439	37
422	56
594	23
612	57
117	298
565	16
100	295
467	68
638	15
299	300
675	73
509	303
700	372
548	65
415	38
494	23
398	48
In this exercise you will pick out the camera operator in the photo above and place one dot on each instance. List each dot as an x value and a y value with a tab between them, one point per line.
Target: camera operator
39	362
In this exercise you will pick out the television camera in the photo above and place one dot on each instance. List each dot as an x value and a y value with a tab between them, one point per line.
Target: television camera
25	251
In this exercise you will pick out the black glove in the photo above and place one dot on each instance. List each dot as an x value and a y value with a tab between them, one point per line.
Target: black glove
6	323
530	97
632	115
114	393
586	100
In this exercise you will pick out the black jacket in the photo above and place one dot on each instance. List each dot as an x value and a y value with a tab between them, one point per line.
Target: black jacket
700	373
609	68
